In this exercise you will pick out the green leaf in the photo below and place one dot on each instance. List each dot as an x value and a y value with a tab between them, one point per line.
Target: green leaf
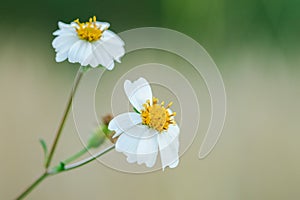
44	146
136	110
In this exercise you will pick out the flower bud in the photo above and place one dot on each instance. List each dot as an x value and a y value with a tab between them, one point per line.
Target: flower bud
97	138
109	134
107	118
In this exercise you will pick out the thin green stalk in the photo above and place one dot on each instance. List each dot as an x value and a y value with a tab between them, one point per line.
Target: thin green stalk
64	169
32	186
61	125
75	156
88	160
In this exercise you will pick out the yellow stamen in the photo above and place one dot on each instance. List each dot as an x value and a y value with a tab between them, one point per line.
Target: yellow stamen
169	105
89	31
156	116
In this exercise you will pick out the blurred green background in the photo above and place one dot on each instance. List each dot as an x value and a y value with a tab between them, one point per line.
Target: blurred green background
254	43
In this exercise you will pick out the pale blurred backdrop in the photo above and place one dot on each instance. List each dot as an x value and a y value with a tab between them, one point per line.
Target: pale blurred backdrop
254	43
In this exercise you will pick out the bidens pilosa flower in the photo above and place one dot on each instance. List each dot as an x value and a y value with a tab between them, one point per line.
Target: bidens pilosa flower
89	43
152	129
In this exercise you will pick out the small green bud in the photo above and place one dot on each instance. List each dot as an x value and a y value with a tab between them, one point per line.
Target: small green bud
97	138
59	168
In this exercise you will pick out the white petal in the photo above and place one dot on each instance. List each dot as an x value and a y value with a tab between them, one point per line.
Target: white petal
110	67
63	48
131	158
61	56
65	29
73	53
102	57
57	32
116	40
128	143
92	61
113	44
123	122
79	52
63	25
65	32
92	58
67	44
174	164
84	54
138	92
141	147
168	143
102	25
60	41
148	148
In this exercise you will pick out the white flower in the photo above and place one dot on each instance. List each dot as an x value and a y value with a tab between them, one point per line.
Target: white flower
143	134
88	43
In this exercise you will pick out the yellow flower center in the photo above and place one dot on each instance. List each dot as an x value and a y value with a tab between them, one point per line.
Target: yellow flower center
89	31
156	115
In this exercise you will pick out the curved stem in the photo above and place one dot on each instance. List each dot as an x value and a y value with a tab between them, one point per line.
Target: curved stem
87	160
62	122
32	186
75	156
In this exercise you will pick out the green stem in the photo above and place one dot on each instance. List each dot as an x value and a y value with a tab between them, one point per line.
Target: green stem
75	156
85	161
61	125
66	168
32	186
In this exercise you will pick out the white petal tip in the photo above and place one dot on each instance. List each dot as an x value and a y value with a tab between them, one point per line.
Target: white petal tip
110	67
171	166
58	59
150	165
174	164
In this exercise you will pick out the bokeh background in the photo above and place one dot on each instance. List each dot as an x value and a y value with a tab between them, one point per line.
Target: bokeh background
255	44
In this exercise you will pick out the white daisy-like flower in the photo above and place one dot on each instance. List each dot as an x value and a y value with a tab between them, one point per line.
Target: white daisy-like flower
89	43
152	129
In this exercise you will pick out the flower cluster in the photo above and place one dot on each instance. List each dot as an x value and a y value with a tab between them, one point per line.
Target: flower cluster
139	135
